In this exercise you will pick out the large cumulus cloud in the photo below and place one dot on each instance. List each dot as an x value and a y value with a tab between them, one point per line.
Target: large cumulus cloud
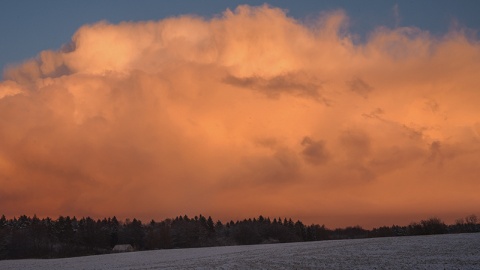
247	113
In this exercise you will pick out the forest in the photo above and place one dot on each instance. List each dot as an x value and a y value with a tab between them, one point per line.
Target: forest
32	237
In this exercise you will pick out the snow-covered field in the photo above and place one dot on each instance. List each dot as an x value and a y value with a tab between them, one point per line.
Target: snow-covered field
454	251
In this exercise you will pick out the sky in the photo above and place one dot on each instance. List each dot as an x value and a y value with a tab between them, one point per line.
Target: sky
332	112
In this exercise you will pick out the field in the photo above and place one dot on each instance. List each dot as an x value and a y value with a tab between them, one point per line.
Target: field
453	251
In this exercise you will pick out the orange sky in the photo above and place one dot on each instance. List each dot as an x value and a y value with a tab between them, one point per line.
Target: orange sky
245	114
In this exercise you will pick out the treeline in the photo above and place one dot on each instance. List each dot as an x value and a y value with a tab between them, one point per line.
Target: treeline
31	237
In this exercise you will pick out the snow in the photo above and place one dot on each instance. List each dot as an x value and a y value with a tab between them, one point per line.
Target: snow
453	251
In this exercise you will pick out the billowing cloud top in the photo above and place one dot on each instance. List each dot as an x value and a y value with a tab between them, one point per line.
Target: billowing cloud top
248	113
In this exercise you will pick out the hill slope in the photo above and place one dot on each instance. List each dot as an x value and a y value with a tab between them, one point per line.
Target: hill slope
454	251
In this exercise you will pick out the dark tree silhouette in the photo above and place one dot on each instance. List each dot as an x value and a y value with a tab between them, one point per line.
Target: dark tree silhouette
27	237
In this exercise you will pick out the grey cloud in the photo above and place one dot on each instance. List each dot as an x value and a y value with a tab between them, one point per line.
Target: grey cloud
435	153
294	83
68	47
360	174
314	152
279	168
269	142
375	114
395	158
39	68
432	105
356	142
360	87
413	132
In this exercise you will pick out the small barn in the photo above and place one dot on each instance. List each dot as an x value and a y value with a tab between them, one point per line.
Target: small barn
122	248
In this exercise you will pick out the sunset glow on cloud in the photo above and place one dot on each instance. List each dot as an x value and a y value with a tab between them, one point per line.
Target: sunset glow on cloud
248	113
